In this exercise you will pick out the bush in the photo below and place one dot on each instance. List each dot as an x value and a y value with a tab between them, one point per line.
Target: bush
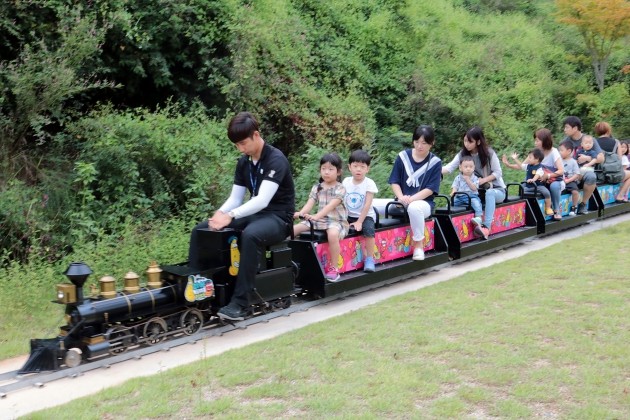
144	166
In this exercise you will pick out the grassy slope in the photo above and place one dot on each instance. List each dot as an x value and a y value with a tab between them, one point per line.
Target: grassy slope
538	336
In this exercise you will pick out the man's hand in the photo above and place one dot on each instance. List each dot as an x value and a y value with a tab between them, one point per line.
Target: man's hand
219	220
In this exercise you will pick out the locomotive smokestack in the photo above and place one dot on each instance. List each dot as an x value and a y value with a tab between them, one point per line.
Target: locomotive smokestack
78	273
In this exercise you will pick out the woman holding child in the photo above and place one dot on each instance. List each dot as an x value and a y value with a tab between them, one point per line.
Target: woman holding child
554	168
487	169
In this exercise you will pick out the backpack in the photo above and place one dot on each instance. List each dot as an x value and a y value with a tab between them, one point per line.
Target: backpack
611	171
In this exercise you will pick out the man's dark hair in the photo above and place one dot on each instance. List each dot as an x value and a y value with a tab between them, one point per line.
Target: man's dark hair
360	156
568	144
573	121
241	126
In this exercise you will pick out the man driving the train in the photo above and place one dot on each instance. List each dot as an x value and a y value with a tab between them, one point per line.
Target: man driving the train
265	219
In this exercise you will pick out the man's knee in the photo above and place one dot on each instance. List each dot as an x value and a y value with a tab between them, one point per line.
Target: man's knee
589	178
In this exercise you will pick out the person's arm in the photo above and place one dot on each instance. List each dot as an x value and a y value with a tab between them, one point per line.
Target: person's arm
221	218
266	192
451	166
600	158
367	205
517	163
594	161
559	167
537	176
495	170
304	212
575	170
398	193
472	185
322	213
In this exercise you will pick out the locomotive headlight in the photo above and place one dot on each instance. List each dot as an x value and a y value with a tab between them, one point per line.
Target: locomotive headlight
60	295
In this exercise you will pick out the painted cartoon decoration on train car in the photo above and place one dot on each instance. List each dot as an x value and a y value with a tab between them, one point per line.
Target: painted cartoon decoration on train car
505	218
198	288
235	256
390	244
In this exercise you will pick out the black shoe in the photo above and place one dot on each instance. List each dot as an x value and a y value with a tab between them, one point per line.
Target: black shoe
581	209
233	312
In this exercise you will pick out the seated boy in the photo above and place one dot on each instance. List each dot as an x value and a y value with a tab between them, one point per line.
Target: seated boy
571	174
468	182
360	192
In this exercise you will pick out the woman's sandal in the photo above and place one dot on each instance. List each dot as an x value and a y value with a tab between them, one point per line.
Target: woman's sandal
557	216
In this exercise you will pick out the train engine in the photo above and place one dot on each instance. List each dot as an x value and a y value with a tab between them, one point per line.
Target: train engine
177	300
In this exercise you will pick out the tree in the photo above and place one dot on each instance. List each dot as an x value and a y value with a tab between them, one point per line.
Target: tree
602	24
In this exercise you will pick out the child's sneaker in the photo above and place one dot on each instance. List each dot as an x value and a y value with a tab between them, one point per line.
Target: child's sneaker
418	254
368	265
573	211
332	274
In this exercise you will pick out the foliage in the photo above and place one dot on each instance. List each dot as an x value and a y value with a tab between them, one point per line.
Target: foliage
610	105
36	88
497	73
602	24
527	7
276	75
321	76
144	166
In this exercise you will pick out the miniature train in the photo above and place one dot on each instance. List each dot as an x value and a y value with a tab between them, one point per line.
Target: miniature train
178	300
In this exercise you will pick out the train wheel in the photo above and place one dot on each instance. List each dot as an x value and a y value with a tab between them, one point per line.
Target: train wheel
73	357
191	321
282	303
119	339
155	331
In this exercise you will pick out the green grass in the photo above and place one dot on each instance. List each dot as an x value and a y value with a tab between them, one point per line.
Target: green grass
542	336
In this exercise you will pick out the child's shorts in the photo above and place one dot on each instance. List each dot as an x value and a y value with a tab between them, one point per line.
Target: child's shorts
368	227
571	186
317	225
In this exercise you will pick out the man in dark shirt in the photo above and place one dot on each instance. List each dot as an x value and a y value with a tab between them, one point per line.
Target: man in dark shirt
265	219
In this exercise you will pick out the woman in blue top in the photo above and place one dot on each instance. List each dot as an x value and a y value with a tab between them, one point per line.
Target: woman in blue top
487	169
414	179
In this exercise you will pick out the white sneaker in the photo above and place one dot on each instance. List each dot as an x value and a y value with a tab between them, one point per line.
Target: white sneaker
418	254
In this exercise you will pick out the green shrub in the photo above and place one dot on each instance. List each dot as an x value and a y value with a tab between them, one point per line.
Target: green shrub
145	166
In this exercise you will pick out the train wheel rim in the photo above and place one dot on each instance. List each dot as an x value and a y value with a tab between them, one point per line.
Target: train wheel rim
154	331
121	334
191	321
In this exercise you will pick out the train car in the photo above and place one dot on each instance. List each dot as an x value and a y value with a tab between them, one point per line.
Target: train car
392	254
605	197
545	223
514	221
